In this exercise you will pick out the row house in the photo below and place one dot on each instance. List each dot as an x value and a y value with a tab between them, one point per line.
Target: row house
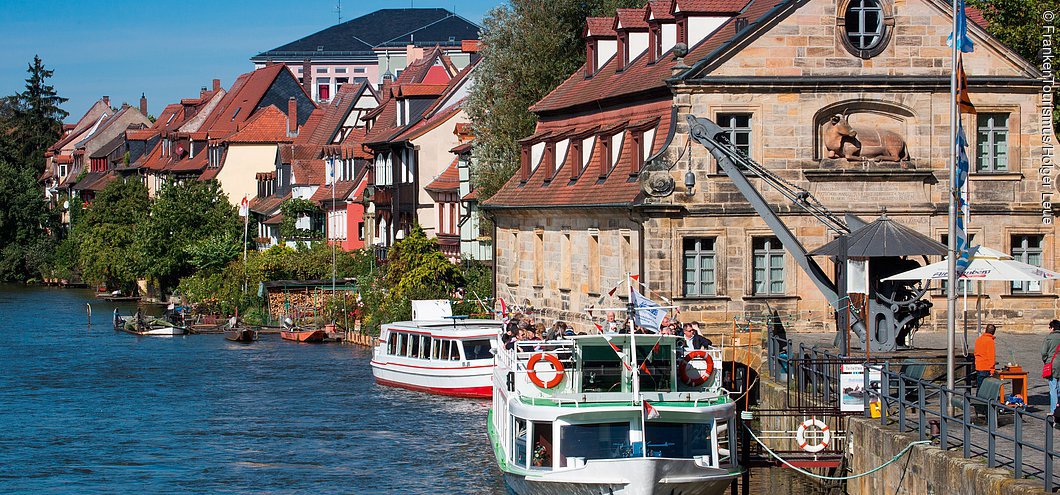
59	157
92	166
411	135
601	187
475	239
370	47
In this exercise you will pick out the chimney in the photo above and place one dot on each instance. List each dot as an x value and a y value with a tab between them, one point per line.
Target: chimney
307	76
216	84
143	104
412	54
106	100
292	117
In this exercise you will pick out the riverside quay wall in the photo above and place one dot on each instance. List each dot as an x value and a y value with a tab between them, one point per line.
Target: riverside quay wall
929	470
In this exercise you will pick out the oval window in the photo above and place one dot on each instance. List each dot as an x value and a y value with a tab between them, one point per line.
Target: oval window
864	24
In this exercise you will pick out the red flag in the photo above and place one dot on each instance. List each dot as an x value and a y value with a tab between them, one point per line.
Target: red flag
635	277
618	351
598	327
964	101
644	368
612	291
650	412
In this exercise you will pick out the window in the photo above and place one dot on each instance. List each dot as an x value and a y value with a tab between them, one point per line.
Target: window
700	273
62	170
360	231
738	126
768	269
992	149
678	440
358	70
322	70
1027	249
477	349
596	441
594	261
519	446
601	369
324	91
392	343
864	24
340	70
542	453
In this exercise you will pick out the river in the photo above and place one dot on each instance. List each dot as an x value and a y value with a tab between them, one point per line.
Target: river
85	409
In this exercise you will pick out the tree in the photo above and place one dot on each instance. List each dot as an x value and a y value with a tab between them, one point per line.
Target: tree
184	218
37	119
109	235
1018	24
24	242
529	47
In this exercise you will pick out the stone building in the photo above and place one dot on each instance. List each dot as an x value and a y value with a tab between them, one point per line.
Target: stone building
775	75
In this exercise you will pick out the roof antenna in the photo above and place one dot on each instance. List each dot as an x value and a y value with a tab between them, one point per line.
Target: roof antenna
338	10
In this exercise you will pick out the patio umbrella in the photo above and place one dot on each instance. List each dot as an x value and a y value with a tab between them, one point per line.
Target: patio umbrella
986	264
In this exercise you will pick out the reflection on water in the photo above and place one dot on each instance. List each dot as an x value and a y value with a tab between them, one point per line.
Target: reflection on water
783	481
89	410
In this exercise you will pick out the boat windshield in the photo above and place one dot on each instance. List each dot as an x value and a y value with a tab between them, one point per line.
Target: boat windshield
477	349
678	440
601	369
657	362
595	441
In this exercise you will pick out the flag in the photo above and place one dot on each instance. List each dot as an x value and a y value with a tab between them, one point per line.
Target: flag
618	352
612	291
504	311
654	349
647	314
244	207
964	43
649	411
644	368
964	102
963	208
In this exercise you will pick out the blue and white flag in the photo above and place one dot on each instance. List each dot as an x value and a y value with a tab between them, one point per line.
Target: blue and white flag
963	41
963	208
647	314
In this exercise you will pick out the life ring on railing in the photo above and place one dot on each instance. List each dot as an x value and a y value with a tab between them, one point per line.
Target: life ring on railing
684	363
532	373
800	435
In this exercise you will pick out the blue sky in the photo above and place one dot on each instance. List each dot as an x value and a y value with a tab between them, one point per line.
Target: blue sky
166	49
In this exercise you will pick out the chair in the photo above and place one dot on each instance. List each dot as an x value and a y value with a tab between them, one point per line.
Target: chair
988	391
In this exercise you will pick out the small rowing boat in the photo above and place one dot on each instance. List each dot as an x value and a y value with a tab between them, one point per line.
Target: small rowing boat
297	334
237	332
146	325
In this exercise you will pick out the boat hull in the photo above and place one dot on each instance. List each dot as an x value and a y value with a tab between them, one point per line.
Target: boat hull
309	336
642	476
466	381
244	335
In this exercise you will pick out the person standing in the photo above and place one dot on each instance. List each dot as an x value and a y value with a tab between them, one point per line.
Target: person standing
1050	347
693	340
985	353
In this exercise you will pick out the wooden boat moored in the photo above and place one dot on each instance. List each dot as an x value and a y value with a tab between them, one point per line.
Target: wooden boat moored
301	335
241	334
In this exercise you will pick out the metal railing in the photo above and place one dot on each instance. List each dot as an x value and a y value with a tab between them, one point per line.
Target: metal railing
1009	437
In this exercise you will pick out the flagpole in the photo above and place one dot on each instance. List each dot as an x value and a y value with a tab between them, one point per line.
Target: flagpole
245	208
636	368
336	218
951	265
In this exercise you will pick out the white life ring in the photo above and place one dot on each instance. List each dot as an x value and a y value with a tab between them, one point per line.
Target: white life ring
800	435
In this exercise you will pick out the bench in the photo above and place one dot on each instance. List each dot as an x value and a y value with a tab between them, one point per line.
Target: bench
987	392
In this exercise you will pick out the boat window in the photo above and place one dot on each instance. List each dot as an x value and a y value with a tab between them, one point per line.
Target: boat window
403	343
436	347
659	366
519	442
601	369
425	346
477	349
677	440
541	456
414	346
595	441
454	351
392	344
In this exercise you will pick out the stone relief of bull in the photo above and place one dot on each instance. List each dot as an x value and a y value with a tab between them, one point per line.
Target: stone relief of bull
857	144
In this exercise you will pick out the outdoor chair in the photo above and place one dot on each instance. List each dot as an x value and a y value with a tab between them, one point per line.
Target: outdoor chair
988	391
911	373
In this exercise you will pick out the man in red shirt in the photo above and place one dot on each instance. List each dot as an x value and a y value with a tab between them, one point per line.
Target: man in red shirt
985	352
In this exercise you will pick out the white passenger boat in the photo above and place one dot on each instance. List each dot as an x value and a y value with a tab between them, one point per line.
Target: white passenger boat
571	417
437	352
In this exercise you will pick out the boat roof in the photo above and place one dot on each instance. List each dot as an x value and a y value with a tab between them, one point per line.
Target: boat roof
450	327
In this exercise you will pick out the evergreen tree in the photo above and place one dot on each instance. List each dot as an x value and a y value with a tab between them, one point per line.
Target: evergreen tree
24	243
529	47
38	119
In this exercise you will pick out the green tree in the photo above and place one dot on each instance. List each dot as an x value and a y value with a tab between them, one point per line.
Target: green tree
184	219
24	219
109	235
529	47
37	119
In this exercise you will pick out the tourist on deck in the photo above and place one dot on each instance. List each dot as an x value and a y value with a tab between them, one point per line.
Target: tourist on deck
985	353
693	340
611	325
1050	347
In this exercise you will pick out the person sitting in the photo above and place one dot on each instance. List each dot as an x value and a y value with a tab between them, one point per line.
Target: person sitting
693	340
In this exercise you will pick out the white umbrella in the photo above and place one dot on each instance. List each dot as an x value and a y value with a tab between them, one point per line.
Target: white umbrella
986	264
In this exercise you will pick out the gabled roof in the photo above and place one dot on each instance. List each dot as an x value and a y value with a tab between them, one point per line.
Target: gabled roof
108	148
240	102
707	6
659	10
117	117
448	180
91	116
343	190
267	205
385	114
380	29
307	172
600	27
268	125
331	116
626	19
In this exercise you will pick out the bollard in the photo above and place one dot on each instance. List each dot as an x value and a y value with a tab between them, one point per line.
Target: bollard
89	305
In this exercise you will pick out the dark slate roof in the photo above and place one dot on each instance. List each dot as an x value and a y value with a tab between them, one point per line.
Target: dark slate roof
884	237
382	28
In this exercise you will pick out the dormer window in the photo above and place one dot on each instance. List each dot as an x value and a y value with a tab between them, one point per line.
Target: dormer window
696	23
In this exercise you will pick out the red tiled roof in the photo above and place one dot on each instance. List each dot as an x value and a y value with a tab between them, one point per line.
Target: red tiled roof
448	180
386	113
471	196
414	89
239	104
343	189
102	182
193	164
268	125
291	152
274	220
307	172
97	110
170	118
209	174
600	27
618	187
660	10
140	134
631	19
640	76
426	125
267	205
63	159
312	123
708	6
462	147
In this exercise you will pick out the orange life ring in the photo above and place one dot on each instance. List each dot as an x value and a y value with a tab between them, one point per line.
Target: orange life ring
682	369
532	373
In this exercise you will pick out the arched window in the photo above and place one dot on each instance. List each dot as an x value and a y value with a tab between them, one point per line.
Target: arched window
864	24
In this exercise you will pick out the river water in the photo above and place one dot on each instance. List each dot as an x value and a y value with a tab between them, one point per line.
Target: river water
85	409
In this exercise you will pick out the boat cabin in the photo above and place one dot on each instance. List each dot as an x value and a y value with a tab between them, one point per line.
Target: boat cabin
438	342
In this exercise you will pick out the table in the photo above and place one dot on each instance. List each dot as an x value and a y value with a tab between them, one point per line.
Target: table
1019	382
